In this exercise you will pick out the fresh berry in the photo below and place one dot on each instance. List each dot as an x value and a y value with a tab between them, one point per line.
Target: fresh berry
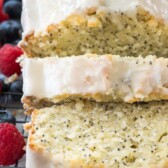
16	90
13	8
6	116
12	0
8	56
11	144
3	16
1	4
10	31
15	42
3	86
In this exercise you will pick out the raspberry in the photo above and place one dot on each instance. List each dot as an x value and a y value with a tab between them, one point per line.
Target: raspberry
1	5
3	16
11	144
8	56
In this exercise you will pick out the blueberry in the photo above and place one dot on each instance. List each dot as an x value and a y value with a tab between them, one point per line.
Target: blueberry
1	41
13	8
6	116
10	31
15	42
3	87
16	90
12	0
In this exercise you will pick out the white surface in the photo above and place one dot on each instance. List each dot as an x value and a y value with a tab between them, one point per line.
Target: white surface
109	75
37	160
39	14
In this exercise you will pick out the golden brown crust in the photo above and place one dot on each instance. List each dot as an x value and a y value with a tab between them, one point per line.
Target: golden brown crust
31	132
31	102
27	126
165	165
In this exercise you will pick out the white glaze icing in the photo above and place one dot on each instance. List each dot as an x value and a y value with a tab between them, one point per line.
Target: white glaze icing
36	160
118	76
38	14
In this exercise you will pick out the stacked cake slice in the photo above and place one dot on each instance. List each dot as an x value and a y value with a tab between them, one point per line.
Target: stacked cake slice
96	83
102	78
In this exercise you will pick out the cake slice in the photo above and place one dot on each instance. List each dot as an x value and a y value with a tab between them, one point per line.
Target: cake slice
86	134
101	78
76	27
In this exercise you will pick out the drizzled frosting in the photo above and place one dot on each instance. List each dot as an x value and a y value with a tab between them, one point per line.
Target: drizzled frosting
123	78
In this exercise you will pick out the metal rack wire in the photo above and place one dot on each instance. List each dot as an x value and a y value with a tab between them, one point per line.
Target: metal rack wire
6	103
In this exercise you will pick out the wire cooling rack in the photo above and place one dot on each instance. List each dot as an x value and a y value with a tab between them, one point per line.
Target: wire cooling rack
15	107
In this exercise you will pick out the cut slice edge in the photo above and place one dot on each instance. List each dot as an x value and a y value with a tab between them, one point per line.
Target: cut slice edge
98	135
102	78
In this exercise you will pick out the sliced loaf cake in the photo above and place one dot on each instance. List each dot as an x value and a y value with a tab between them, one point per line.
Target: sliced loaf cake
94	135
